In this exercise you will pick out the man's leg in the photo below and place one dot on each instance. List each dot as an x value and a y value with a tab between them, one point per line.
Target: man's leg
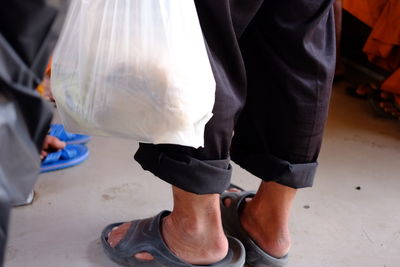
207	171
271	207
193	230
289	58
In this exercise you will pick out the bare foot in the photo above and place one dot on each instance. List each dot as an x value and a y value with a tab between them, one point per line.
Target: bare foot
390	108
182	244
267	229
198	239
391	104
51	144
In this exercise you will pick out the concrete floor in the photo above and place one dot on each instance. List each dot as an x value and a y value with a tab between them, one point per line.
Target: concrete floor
333	223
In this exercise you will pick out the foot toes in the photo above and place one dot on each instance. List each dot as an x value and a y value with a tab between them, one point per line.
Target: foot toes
385	104
117	234
234	190
396	114
227	202
385	95
389	110
144	256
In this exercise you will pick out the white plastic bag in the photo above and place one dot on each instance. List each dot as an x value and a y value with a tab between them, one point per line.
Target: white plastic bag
134	68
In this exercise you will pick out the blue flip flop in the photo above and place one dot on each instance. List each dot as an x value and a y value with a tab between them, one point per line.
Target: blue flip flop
58	130
70	156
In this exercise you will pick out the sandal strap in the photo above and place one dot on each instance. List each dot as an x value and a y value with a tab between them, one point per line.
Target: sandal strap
52	157
144	236
255	256
63	154
58	130
233	211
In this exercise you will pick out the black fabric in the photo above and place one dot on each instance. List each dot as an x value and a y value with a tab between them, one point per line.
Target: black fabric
273	62
28	33
5	206
181	169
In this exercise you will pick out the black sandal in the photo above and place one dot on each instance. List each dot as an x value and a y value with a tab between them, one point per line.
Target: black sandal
255	256
145	236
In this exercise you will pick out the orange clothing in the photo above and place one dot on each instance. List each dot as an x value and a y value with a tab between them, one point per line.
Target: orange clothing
383	44
48	68
41	88
368	11
392	84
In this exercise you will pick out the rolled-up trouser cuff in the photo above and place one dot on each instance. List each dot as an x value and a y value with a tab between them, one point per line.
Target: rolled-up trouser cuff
270	168
186	172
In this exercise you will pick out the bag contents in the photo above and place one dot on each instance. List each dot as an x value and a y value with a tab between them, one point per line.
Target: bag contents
135	69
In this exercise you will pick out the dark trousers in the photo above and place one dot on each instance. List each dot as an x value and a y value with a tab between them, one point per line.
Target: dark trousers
273	62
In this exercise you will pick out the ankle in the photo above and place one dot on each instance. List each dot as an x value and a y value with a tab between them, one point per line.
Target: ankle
193	231
196	214
194	243
266	218
196	225
270	235
258	213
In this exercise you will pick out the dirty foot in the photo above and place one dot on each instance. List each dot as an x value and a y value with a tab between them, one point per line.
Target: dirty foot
190	244
266	227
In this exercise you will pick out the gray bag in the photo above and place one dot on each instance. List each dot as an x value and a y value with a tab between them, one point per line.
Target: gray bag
19	162
28	32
